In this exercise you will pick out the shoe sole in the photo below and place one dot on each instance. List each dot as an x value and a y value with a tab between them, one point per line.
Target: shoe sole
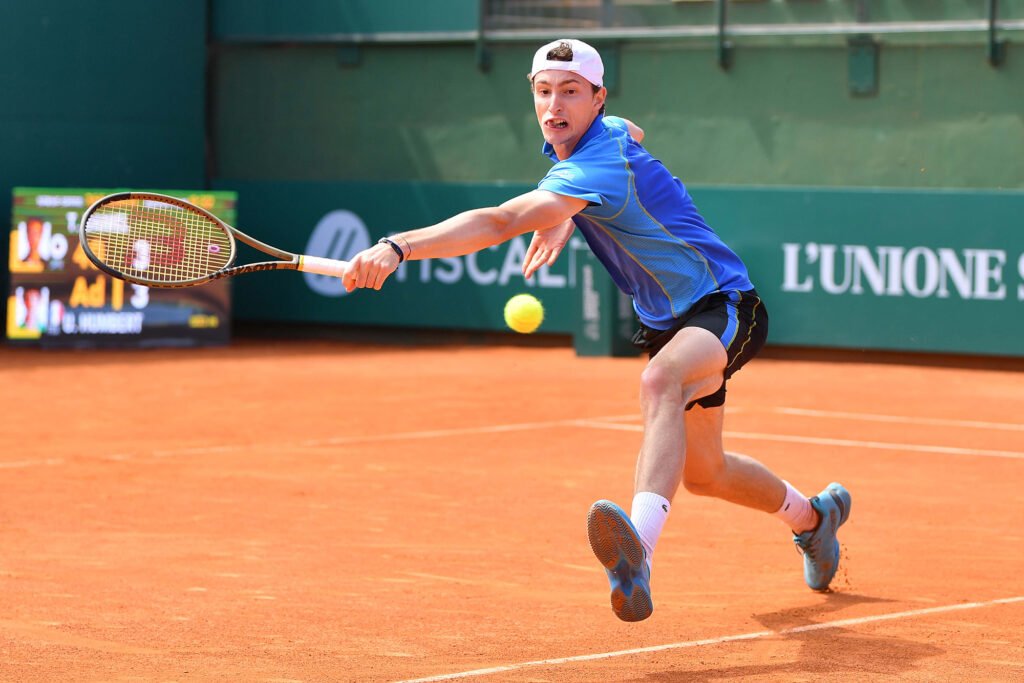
618	549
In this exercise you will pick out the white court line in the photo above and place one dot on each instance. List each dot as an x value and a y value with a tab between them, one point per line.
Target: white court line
333	441
865	417
840	623
825	441
461	431
199	450
883	445
611	422
19	464
875	417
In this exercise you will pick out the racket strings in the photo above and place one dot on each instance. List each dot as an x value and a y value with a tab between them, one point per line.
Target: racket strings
153	240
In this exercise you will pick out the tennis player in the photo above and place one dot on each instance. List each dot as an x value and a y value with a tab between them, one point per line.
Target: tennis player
700	317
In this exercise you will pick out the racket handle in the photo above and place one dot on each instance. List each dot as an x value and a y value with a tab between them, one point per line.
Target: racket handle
322	266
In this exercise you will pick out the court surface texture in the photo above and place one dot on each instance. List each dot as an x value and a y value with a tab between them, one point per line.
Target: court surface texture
338	511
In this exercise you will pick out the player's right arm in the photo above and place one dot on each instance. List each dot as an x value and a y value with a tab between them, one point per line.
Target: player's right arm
464	233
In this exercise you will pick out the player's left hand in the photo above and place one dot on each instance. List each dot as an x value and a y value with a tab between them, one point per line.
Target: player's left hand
545	247
370	268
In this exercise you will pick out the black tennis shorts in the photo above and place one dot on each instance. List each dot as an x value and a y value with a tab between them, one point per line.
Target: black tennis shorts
738	318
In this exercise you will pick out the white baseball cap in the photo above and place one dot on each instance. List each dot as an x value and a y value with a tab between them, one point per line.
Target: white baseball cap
585	61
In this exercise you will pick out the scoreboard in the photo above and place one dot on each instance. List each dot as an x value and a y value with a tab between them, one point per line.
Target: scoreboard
58	298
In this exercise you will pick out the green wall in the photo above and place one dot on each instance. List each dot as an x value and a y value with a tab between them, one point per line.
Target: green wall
943	117
109	93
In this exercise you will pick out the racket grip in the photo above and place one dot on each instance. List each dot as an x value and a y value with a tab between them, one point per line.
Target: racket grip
322	266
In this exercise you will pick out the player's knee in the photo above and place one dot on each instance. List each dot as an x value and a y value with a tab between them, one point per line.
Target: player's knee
708	480
704	486
659	385
663	387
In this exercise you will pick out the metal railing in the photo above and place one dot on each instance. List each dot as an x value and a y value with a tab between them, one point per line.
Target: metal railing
537	20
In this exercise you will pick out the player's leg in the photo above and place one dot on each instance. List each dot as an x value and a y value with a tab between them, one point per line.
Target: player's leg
693	360
690	365
711	471
689	370
737	323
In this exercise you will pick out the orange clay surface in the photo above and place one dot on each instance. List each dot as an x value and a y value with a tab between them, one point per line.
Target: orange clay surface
333	511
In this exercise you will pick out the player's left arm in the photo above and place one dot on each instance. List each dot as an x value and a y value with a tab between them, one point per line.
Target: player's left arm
464	233
635	131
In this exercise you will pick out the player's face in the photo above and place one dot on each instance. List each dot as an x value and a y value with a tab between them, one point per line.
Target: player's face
566	105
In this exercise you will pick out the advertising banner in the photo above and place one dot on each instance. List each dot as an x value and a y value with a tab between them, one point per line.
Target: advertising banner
937	271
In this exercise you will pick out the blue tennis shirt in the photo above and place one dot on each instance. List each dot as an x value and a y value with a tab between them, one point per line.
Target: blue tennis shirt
642	224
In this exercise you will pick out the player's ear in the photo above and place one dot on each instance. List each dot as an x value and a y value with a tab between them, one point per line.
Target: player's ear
600	96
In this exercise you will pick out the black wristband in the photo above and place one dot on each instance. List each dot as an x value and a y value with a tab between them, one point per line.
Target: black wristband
393	245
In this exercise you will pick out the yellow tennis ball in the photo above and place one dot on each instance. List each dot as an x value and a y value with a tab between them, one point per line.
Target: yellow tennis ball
524	313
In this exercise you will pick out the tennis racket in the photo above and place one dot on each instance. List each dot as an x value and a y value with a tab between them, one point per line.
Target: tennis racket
159	241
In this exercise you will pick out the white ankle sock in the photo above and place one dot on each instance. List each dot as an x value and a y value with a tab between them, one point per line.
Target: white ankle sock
796	511
648	516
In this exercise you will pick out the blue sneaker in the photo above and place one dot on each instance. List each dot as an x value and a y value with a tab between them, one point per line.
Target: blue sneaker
819	546
616	544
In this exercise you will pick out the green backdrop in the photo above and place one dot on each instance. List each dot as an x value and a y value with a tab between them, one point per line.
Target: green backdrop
341	104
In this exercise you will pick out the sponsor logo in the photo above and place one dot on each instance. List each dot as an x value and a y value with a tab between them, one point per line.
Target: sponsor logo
342	234
339	235
896	271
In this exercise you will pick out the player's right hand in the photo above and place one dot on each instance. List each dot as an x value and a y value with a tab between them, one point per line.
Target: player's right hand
370	268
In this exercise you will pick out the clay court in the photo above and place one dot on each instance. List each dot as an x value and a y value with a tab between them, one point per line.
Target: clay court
339	511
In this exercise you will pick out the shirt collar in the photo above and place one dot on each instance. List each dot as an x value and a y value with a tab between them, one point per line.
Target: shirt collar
595	127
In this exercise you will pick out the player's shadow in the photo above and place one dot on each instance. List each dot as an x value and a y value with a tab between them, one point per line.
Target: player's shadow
837	651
